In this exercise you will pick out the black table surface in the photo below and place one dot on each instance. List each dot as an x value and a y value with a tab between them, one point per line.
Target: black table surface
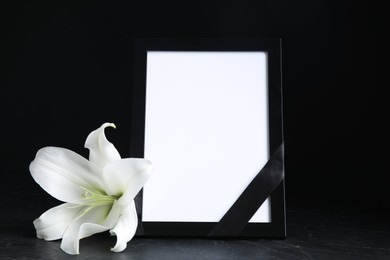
325	230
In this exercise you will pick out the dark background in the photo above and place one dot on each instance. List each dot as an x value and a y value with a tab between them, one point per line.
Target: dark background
65	68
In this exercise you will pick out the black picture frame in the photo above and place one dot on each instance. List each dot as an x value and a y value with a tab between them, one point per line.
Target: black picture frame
265	184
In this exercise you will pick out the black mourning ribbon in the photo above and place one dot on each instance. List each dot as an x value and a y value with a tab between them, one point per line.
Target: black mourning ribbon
261	187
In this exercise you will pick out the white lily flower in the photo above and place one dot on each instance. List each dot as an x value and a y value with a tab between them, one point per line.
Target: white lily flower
98	193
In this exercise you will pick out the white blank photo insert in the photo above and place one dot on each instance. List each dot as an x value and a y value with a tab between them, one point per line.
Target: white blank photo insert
206	133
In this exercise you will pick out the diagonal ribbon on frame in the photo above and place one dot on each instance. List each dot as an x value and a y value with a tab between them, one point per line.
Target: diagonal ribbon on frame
261	187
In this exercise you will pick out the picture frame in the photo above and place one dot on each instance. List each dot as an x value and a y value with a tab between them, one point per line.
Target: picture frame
207	112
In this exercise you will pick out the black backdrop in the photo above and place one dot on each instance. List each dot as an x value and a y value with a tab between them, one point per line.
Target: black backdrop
65	68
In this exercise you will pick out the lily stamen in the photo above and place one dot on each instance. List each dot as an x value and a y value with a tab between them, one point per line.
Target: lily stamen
95	199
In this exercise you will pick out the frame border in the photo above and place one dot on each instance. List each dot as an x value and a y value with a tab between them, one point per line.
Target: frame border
277	227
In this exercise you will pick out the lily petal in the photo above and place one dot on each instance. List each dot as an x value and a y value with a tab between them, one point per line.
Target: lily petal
62	173
88	229
52	224
125	228
101	151
126	176
84	226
